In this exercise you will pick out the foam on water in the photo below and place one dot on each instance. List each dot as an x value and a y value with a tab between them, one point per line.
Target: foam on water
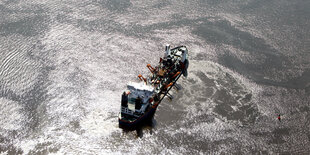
201	106
11	116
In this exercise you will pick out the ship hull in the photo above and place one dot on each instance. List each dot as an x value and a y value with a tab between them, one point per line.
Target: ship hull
164	77
131	125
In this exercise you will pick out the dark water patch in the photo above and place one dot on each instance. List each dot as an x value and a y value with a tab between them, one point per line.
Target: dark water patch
191	80
201	99
223	96
230	82
247	109
206	81
11	150
7	146
304	109
299	82
253	5
136	30
7	2
195	88
40	55
300	11
278	134
281	131
288	152
28	9
222	32
115	5
223	109
207	92
236	115
238	97
193	143
161	4
247	98
308	90
169	112
260	133
44	148
178	16
33	103
9	94
64	18
74	126
210	2
250	113
258	73
245	113
3	9
31	20
201	56
242	68
207	118
284	13
204	92
268	94
78	78
100	25
106	25
30	26
213	33
276	140
223	141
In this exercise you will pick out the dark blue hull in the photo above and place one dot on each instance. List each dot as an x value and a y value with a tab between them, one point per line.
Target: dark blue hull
139	121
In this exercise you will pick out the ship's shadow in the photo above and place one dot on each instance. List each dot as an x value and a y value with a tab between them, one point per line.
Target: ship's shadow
140	129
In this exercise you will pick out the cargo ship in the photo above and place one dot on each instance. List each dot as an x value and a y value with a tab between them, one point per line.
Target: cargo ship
141	99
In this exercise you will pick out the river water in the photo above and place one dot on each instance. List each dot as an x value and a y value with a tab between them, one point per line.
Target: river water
64	65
